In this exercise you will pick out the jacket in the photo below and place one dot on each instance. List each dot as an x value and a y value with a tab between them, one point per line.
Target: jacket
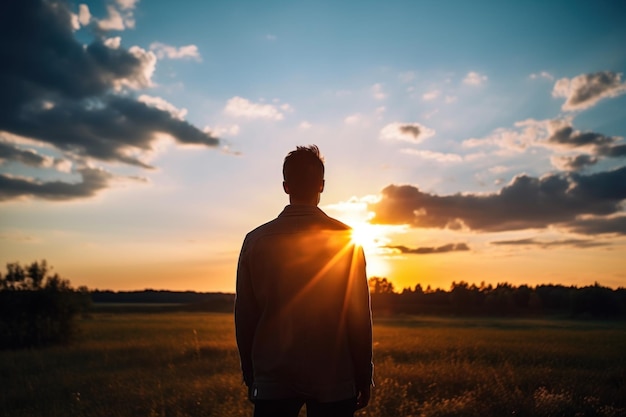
302	310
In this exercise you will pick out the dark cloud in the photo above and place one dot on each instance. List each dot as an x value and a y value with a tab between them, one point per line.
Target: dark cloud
107	128
74	96
25	156
427	250
616	151
412	130
574	163
599	146
600	225
584	91
527	202
578	243
93	180
571	138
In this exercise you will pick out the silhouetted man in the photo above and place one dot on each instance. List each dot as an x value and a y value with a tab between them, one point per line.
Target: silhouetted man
302	312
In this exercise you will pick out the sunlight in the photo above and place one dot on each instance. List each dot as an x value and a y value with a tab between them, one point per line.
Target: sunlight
366	235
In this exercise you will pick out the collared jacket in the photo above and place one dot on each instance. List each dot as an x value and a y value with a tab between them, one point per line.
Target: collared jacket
302	310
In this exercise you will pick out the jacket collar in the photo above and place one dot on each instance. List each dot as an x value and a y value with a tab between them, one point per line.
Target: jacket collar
300	210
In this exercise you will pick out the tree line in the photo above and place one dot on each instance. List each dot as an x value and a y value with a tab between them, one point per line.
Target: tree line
503	299
38	308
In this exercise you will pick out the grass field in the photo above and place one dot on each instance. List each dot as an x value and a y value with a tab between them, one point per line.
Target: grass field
186	364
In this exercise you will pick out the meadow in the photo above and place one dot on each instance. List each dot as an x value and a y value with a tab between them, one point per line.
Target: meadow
186	364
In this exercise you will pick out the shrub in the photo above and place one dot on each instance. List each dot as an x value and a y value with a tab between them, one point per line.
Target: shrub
37	309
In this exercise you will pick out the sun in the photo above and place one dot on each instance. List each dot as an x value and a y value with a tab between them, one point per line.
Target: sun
366	235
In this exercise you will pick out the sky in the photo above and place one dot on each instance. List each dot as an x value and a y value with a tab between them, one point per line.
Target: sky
466	141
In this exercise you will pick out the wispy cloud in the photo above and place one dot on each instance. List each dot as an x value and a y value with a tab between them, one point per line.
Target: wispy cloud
378	92
242	107
162	50
429	250
430	95
353	119
474	78
578	243
542	74
435	156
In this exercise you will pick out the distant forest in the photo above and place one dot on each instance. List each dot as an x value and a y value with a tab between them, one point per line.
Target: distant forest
463	298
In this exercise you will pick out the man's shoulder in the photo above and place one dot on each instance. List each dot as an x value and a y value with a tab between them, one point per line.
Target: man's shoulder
336	224
285	223
262	229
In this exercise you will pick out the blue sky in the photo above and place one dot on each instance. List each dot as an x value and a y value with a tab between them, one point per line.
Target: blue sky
470	140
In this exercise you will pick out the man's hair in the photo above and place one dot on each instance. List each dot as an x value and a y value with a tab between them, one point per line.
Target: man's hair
303	171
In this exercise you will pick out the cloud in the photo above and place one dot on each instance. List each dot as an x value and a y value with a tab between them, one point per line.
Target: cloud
241	107
127	4
562	133
271	37
171	52
558	135
428	250
431	95
93	180
353	119
578	243
84	16
109	129
120	16
600	225
78	98
25	156
436	156
113	21
113	43
612	151
474	78
162	104
304	125
573	163
378	92
220	131
409	132
543	74
525	203
585	90
451	99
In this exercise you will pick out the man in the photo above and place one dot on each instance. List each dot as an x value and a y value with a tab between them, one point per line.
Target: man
302	311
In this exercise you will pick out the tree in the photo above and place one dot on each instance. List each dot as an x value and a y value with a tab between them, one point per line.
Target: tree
379	285
37	309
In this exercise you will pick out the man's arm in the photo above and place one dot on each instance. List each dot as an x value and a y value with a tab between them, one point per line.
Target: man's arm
360	327
246	317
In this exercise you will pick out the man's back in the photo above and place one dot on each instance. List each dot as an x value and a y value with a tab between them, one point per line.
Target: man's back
302	310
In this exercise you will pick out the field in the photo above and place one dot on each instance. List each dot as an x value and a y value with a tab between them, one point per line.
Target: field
186	364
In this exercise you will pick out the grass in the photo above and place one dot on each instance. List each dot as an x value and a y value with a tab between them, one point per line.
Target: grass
186	364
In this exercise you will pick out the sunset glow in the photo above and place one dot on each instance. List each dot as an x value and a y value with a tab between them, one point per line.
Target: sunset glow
141	140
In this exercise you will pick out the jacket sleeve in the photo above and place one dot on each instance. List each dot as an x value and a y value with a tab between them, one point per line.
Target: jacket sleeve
246	316
360	321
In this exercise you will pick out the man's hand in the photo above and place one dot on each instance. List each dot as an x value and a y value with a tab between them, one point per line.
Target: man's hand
251	393
363	397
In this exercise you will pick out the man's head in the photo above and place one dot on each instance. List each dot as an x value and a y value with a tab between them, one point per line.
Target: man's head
303	174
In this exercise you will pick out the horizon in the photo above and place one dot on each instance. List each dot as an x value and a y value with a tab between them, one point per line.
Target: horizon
482	142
